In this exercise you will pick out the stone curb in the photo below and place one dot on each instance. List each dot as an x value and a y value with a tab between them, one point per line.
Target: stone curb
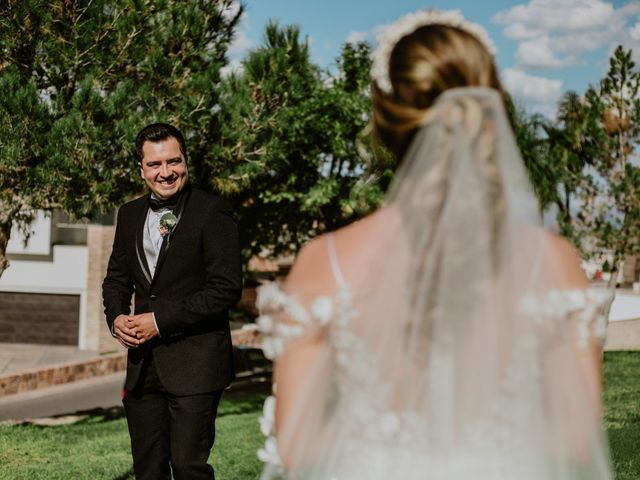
50	376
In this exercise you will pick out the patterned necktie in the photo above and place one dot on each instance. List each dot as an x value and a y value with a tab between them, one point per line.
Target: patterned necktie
153	238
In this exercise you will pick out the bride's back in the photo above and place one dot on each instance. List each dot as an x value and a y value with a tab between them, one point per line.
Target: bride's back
444	333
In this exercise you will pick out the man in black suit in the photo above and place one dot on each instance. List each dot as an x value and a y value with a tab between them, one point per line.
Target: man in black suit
177	250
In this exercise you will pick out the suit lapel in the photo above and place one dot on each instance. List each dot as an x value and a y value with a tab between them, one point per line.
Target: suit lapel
167	240
142	258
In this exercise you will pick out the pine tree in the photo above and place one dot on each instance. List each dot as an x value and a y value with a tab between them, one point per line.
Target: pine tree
612	198
79	80
292	136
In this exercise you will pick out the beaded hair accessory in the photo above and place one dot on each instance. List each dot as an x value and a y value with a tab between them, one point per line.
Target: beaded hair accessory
408	24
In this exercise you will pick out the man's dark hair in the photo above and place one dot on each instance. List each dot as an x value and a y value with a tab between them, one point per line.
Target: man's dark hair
157	132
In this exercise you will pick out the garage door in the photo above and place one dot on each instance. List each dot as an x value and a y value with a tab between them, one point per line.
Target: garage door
39	318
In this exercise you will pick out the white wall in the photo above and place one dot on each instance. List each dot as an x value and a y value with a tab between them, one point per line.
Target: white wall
625	307
65	274
39	241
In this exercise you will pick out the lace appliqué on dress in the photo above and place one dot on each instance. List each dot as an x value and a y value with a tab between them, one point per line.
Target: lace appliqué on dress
505	427
587	306
283	319
273	304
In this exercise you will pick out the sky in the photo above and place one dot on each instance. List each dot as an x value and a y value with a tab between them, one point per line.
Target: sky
544	47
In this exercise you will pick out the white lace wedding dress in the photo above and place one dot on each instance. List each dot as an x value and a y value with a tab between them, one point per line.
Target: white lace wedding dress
459	348
381	442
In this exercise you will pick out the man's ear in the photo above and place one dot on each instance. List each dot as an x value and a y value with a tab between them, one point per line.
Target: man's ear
141	170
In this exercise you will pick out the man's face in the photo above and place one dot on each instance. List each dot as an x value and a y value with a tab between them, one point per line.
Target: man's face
163	167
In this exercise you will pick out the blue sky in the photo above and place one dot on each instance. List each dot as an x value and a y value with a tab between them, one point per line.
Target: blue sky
545	47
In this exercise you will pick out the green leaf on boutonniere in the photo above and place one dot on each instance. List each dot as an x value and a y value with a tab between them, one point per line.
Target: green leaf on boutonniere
168	222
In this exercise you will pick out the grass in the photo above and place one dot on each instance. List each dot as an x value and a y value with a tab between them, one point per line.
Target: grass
98	447
622	412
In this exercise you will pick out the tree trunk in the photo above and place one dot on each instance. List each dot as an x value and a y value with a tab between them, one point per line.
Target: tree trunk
5	233
616	265
611	284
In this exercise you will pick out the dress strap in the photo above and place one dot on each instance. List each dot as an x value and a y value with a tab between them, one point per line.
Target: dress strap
333	258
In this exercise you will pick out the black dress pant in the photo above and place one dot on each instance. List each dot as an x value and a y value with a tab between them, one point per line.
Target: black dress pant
170	433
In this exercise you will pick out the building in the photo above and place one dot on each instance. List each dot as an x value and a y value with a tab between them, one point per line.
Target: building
51	294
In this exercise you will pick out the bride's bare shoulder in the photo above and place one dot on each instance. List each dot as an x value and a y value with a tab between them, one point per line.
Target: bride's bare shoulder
561	258
312	267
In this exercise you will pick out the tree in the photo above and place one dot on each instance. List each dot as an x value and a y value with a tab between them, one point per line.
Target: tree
79	79
575	141
22	115
612	194
529	131
290	151
594	147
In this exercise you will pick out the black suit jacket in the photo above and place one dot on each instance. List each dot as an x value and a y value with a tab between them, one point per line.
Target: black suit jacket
198	277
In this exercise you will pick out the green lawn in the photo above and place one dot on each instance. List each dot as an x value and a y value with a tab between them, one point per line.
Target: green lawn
622	412
98	447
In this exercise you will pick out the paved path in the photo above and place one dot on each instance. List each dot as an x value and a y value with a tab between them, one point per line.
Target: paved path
68	399
626	306
623	331
17	357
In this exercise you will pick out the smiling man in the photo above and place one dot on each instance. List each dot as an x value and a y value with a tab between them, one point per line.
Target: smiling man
177	249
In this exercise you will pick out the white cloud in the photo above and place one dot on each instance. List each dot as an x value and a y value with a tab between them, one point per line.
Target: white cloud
558	15
232	10
537	54
557	33
518	31
240	44
630	37
580	42
539	94
357	36
234	66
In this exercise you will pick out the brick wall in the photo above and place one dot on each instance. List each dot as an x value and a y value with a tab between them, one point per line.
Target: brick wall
99	242
39	318
630	270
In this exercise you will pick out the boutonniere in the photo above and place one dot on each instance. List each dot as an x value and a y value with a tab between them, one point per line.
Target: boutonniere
168	222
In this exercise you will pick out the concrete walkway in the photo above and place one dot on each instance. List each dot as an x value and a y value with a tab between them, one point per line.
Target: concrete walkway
63	403
623	331
18	357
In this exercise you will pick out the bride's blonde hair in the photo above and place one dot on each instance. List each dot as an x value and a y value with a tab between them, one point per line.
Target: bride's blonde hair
424	64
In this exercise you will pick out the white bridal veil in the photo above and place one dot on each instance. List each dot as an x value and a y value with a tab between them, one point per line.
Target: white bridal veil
465	349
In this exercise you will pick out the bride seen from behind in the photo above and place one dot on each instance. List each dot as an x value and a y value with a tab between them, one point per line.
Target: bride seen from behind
447	335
